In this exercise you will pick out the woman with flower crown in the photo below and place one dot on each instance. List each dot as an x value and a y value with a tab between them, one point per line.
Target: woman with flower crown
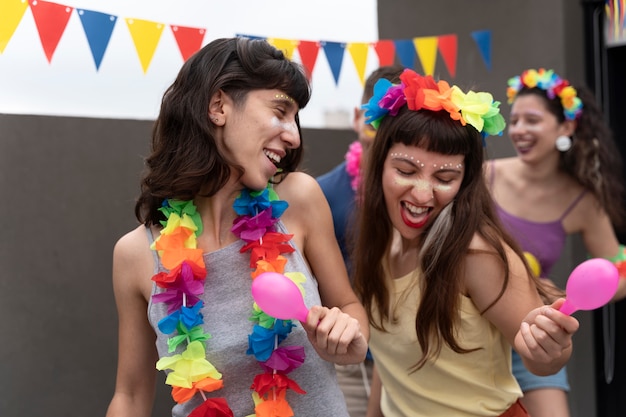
220	205
565	179
446	289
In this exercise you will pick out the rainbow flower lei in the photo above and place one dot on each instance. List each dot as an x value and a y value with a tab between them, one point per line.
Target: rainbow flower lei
191	373
552	84
423	92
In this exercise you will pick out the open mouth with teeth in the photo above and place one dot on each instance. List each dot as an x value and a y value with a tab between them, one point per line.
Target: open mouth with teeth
275	158
414	216
524	145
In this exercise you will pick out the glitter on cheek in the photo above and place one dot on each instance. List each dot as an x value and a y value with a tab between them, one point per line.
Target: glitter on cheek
290	127
442	187
421	185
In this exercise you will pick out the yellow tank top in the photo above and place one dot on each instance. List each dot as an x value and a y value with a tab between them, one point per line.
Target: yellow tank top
473	384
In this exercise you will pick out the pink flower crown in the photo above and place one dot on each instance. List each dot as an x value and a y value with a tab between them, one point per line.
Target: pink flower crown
424	93
552	84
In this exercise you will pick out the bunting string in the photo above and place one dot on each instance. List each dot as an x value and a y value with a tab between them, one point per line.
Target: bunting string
51	20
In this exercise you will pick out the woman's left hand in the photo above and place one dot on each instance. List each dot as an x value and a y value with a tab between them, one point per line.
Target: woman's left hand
546	334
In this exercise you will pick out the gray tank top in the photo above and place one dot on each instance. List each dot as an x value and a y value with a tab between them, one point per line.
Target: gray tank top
227	307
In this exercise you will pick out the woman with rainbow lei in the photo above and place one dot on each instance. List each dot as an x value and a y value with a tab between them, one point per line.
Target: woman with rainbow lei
565	179
446	290
220	204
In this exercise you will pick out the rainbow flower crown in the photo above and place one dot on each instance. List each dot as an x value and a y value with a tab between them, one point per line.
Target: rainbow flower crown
424	93
552	84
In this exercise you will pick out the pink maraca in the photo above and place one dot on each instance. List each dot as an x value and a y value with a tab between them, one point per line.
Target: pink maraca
591	285
279	297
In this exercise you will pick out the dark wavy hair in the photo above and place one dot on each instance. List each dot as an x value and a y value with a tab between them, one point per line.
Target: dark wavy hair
445	243
184	159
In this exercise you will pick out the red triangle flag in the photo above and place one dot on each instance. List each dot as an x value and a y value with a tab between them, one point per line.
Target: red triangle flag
308	51
448	48
51	20
189	39
386	52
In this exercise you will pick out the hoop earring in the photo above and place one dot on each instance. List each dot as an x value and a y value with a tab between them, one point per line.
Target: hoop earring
563	143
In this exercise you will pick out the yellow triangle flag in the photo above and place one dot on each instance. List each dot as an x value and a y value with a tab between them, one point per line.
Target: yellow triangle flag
358	52
426	48
285	45
146	36
12	13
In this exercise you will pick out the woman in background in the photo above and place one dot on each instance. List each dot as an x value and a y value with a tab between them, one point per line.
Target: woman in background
565	179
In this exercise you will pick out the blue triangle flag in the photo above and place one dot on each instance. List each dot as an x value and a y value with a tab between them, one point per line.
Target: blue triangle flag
405	50
98	28
334	54
483	40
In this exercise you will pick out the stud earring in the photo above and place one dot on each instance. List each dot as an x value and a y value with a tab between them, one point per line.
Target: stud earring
563	143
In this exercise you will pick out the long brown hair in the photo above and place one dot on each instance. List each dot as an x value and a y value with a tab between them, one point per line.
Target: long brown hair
185	159
441	259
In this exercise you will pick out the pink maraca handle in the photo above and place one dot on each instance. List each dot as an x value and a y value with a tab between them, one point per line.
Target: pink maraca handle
301	313
568	308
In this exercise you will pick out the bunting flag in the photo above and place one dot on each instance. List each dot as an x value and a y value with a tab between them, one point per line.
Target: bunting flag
483	40
427	52
98	28
358	52
308	51
334	54
405	49
188	39
285	45
10	18
146	35
51	20
448	48
386	51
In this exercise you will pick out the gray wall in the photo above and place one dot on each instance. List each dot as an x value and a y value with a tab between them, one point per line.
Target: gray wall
69	186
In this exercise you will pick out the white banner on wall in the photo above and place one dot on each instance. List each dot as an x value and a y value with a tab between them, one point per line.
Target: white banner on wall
54	62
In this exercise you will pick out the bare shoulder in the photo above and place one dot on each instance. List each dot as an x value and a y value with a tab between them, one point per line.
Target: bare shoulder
485	273
586	213
133	261
483	261
300	190
308	214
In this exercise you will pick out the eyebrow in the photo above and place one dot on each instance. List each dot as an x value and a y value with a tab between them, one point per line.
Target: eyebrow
290	105
531	112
